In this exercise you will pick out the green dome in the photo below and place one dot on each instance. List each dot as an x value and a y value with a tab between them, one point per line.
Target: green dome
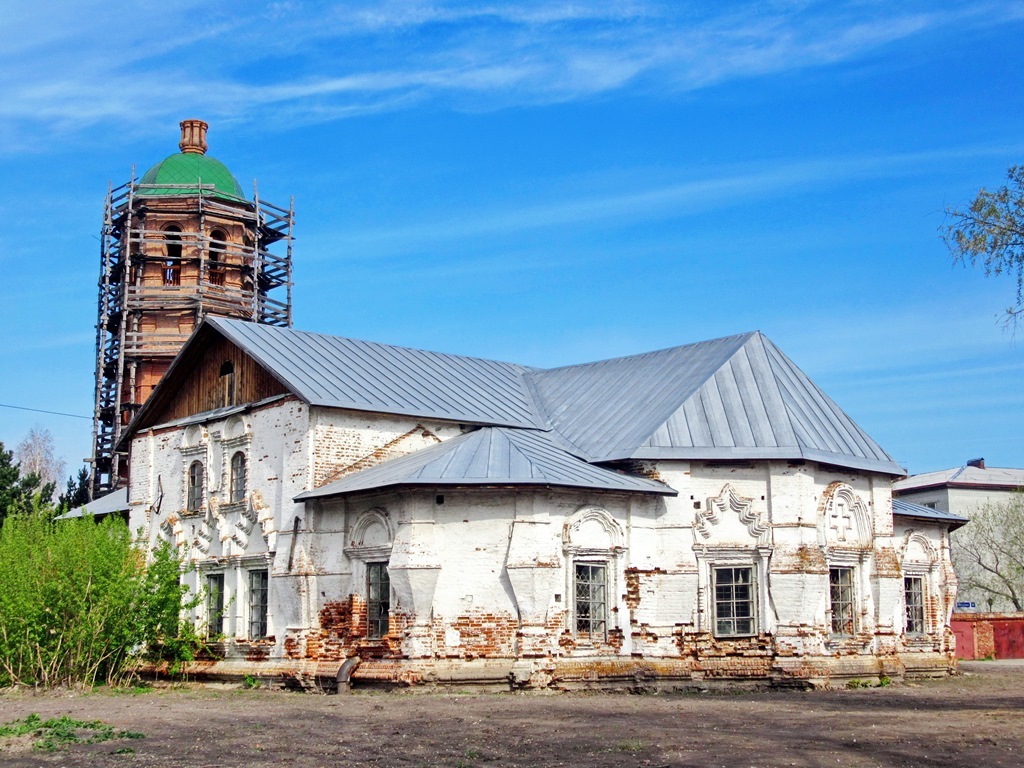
191	168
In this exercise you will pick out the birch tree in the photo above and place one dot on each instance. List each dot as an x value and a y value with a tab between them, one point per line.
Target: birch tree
988	553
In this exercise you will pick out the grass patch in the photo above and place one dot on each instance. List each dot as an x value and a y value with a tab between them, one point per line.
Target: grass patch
629	745
57	732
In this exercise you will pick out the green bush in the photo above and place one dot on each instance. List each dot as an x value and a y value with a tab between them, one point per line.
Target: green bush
78	603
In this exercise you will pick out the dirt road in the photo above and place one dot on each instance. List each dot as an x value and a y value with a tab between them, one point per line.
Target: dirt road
974	720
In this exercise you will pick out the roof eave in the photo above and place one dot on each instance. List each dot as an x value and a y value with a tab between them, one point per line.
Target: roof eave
253	351
951	522
1010	487
881	466
319	493
457	418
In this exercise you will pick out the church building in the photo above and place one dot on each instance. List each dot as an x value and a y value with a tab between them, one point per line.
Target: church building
364	513
359	513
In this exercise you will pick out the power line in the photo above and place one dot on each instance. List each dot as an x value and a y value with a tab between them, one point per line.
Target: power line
40	410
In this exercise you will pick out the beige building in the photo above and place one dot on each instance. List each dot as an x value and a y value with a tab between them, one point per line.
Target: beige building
961	491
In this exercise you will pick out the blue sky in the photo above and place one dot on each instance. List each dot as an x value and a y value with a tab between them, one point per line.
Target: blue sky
549	183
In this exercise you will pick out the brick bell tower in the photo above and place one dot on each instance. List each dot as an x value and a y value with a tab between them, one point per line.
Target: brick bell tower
178	244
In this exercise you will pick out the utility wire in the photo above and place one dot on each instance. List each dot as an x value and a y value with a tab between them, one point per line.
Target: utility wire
40	410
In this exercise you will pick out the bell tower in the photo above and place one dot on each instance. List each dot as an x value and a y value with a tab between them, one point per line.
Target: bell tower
180	243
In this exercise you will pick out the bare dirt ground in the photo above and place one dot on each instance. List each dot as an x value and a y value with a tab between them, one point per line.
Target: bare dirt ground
973	720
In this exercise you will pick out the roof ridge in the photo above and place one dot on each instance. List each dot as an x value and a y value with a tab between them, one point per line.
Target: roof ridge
765	341
649	353
368	342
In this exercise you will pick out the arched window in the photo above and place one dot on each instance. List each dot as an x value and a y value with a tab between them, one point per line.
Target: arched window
218	241
238	478
195	486
227	383
172	264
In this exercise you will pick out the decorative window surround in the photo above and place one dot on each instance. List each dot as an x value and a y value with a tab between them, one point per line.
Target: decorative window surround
592	540
730	501
371	537
919	560
844	519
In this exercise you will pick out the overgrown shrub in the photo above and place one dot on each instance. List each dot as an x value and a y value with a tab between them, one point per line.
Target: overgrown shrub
78	603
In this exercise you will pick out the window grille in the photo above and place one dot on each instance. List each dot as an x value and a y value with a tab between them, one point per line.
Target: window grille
734	601
258	584
913	591
378	599
841	597
214	605
591	602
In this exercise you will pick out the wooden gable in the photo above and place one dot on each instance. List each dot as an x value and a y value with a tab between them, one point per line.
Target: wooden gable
195	383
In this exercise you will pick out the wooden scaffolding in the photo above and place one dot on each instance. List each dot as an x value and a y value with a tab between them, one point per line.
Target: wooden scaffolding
170	255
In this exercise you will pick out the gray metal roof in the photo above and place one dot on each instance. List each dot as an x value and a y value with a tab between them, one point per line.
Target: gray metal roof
490	456
115	501
737	397
337	372
906	509
1004	478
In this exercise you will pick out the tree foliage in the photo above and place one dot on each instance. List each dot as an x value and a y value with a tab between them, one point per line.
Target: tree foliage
20	493
79	603
989	232
988	553
76	492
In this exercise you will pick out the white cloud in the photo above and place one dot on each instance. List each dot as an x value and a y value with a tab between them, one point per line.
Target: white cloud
144	63
721	188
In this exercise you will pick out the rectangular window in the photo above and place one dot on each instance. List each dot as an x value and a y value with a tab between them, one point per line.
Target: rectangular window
378	599
913	591
238	477
841	600
591	600
258	583
734	601
214	605
195	487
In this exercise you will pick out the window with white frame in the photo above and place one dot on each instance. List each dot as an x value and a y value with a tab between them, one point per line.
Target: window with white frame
735	602
590	599
259	583
913	595
194	500
378	599
842	601
238	477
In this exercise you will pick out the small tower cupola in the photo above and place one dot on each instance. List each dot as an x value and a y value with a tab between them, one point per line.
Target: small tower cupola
193	137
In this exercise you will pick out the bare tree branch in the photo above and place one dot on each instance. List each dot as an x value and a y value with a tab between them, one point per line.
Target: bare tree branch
990	232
